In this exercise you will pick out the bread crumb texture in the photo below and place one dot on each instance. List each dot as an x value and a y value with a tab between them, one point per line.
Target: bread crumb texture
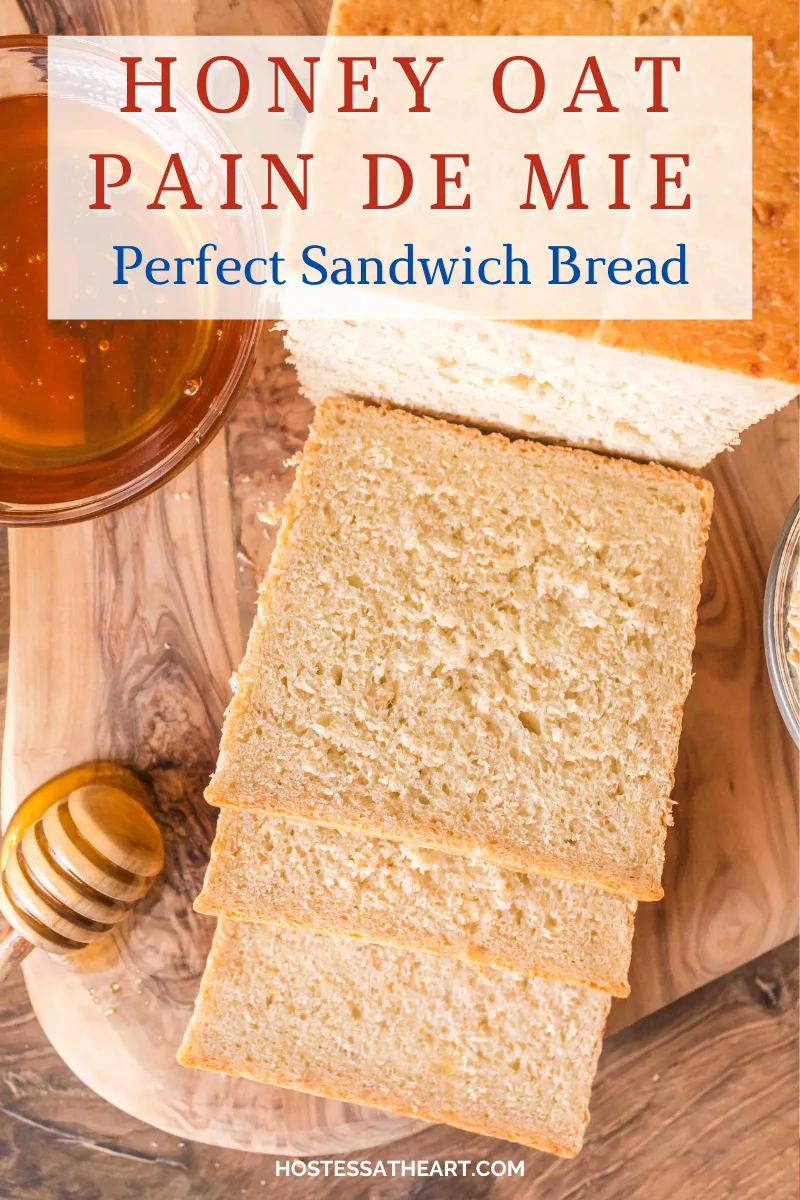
293	873
486	1050
474	645
543	383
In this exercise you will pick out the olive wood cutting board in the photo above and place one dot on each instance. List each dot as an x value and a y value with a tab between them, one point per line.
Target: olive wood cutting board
124	633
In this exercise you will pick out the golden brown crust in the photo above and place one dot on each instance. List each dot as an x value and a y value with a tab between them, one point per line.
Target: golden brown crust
765	346
241	912
592	459
391	1104
303	808
230	894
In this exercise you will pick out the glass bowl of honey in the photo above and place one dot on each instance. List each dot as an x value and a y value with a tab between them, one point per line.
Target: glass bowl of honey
93	414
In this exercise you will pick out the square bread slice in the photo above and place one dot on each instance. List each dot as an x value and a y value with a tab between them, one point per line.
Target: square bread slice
473	644
291	873
496	1052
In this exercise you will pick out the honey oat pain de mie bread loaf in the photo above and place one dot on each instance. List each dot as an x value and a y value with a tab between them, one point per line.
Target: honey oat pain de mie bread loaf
492	1051
296	874
677	391
476	645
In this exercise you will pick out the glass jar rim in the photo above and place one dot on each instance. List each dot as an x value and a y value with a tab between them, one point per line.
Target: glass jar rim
783	569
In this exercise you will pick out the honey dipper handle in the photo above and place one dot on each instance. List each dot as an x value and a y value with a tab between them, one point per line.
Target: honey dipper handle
13	948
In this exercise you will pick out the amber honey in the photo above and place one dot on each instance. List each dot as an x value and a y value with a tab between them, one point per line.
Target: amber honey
86	407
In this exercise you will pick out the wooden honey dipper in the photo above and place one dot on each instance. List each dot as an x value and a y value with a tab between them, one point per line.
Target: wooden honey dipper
76	872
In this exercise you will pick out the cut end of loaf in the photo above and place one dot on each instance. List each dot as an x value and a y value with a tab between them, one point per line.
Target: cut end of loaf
548	385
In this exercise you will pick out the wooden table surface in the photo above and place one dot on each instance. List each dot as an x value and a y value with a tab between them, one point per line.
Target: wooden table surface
697	1101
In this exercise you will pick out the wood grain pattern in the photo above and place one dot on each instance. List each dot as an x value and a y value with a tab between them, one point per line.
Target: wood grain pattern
731	875
142	630
157	640
694	934
142	636
697	1102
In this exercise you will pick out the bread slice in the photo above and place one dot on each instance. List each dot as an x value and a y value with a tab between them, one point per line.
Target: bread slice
300	875
475	645
678	391
492	1051
515	378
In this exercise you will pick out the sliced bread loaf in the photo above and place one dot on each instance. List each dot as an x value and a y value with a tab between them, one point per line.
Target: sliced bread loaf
492	1051
473	644
547	384
678	391
327	881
